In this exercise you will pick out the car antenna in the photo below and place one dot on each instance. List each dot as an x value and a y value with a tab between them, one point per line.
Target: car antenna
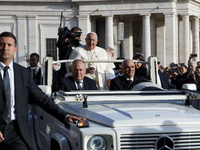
61	19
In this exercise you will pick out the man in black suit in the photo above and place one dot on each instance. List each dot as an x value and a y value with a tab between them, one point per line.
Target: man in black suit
128	79
36	71
162	78
77	81
17	88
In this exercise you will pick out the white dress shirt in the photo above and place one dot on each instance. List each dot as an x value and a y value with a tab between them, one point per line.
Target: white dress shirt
132	79
12	86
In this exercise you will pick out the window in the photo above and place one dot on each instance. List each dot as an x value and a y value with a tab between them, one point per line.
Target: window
51	47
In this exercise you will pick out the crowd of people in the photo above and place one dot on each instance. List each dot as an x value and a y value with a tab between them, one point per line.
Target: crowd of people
179	74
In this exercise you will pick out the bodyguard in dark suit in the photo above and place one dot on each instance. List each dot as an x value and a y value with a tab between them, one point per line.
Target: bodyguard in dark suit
15	93
77	81
36	71
36	75
164	80
128	80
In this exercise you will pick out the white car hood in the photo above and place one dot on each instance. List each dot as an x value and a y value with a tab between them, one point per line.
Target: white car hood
134	114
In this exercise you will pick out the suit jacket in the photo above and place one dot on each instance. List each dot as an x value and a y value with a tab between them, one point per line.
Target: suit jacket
38	77
56	77
141	72
27	91
164	80
121	83
67	84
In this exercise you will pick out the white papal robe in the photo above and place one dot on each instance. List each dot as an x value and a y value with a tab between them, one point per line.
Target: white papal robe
103	71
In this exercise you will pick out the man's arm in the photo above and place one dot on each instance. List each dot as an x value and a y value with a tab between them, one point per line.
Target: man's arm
1	137
110	74
190	58
46	103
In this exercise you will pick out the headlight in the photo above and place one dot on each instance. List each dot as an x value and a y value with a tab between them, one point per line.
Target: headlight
96	143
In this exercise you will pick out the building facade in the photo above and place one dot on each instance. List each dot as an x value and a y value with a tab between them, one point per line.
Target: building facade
168	29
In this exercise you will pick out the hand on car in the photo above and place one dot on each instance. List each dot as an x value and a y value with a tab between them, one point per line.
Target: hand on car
1	137
73	119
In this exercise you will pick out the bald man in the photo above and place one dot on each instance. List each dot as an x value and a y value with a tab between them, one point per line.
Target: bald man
77	81
128	79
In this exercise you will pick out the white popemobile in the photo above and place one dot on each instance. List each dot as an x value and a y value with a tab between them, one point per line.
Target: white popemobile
146	118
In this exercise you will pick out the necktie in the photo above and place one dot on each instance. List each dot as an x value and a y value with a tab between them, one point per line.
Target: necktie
129	82
79	85
33	73
6	81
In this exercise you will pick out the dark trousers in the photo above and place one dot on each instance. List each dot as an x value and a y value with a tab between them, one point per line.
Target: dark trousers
12	138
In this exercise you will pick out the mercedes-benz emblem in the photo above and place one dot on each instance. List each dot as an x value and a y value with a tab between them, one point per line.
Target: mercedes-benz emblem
164	143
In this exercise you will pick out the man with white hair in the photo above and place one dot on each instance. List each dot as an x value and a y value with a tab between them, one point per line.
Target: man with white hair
101	72
128	80
192	66
191	76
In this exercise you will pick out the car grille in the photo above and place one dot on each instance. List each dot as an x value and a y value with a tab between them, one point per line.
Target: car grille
181	141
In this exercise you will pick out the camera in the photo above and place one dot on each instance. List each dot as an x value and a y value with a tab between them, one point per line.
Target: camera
174	65
67	38
194	55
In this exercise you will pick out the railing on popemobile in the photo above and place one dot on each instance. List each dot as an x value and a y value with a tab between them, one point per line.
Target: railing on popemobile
47	76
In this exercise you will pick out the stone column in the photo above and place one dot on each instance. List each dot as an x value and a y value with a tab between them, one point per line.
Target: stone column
116	46
109	32
170	39
186	37
21	38
195	30
177	37
153	35
128	42
160	41
32	36
85	24
146	42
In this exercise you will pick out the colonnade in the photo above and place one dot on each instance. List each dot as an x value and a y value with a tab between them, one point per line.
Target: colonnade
180	39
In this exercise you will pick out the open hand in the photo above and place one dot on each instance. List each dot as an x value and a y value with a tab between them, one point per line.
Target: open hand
1	137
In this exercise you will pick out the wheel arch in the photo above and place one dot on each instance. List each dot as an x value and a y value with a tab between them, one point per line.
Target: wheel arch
58	140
